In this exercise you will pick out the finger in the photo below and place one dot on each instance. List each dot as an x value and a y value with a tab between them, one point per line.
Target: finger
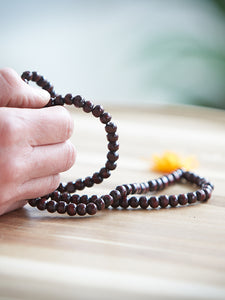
52	159
16	93
39	187
49	125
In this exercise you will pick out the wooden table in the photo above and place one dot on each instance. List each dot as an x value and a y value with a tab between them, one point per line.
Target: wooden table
174	253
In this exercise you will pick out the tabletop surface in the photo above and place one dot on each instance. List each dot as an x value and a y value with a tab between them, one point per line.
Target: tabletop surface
173	253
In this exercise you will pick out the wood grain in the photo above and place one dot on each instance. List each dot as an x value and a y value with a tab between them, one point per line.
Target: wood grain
174	253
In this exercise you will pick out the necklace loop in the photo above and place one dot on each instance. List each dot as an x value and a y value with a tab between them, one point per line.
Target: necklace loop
65	199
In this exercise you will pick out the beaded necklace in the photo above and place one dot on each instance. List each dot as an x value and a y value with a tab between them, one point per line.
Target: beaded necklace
65	199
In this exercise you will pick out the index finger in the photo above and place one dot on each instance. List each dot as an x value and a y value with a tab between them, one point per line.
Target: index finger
49	125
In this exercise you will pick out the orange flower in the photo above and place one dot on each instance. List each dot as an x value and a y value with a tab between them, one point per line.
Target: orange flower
171	161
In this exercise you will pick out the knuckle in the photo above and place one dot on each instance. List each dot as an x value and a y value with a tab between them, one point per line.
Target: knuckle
70	155
49	184
10	127
69	124
54	182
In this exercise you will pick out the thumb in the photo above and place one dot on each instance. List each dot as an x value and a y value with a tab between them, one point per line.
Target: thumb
14	92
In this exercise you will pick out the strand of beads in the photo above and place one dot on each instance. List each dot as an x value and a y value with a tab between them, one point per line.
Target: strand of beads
64	202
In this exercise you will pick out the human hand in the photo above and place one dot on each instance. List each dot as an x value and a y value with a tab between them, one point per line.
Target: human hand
34	145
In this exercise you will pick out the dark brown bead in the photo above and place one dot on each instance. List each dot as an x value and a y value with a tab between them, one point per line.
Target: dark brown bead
84	199
206	186
170	178
26	75
152	185
165	181
105	118
78	101
79	184
182	199
192	178
68	99
122	190
71	209
96	177
116	203
51	206
88	106
128	188
75	199
45	83
91	209
61	207
116	198
70	187
186	175
47	86
34	76
33	202
192	198
134	188
100	203
112	137
61	188
163	201
97	111
124	202
51	91
200	195
143	201
41	204
133	202
104	173
40	81
88	182
153	202
208	193
138	188
81	209
200	181
160	185
180	172
197	179
59	100
113	146
110	165
210	185
115	194
173	201
112	156
110	128
93	198
65	197
177	176
108	199
56	195
144	187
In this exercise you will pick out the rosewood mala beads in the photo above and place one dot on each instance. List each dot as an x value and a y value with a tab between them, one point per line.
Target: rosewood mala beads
66	199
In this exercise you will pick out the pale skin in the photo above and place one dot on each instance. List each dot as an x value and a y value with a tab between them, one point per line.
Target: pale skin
34	142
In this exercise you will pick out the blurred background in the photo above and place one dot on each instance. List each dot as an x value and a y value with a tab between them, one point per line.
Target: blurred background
119	52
